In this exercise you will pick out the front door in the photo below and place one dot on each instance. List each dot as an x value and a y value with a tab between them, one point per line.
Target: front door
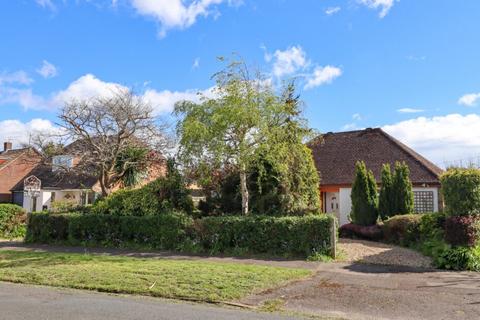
332	203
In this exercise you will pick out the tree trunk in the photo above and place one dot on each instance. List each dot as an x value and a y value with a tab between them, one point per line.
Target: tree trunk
244	190
103	184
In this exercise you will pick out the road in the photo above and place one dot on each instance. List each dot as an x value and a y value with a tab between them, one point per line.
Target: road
21	302
363	291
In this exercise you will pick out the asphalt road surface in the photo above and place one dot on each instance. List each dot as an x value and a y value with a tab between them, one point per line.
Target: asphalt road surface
22	302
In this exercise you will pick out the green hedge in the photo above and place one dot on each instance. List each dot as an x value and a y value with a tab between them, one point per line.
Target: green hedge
12	221
288	236
261	234
461	191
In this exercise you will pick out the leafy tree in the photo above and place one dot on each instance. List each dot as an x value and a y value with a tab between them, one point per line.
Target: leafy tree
243	123
402	190
387	196
364	196
131	163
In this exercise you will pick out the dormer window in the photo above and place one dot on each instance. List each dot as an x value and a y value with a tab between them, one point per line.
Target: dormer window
62	162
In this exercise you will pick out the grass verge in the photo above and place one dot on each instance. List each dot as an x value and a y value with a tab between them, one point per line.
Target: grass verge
174	279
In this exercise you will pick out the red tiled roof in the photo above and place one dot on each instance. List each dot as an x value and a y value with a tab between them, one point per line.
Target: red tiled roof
335	156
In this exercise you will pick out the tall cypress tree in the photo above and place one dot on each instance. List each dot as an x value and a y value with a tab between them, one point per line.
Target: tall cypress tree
387	197
402	189
364	196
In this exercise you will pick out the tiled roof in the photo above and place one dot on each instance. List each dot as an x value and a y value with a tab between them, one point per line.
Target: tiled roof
8	156
335	155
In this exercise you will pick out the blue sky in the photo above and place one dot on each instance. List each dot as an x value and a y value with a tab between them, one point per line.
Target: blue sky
409	66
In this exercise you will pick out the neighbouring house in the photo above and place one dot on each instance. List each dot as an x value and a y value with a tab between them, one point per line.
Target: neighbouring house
15	164
62	184
335	156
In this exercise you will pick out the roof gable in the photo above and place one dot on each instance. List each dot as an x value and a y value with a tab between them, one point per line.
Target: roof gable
336	154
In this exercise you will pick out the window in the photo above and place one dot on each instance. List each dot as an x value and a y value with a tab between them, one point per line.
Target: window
423	201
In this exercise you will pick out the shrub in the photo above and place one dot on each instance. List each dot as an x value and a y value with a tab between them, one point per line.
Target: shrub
304	236
402	229
462	230
12	221
402	190
461	258
461	191
354	231
165	194
364	197
263	234
385	202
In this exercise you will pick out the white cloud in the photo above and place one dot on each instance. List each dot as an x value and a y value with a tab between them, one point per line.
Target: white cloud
441	139
383	5
322	75
410	110
19	132
164	101
177	14
332	10
47	70
17	77
196	63
288	61
46	4
469	100
357	116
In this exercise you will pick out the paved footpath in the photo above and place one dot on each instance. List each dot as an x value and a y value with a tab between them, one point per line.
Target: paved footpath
21	302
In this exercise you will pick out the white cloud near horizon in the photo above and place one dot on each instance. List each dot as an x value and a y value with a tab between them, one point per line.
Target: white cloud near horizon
19	132
441	139
89	86
470	99
47	70
410	110
383	5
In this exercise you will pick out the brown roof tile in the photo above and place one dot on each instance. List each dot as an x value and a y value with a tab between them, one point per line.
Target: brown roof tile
335	156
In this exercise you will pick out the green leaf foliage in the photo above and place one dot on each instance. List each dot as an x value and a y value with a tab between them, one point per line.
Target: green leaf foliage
131	164
402	190
12	221
162	195
289	236
364	196
461	191
386	199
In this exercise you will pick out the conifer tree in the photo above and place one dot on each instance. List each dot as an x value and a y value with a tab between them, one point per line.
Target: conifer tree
387	197
364	196
402	190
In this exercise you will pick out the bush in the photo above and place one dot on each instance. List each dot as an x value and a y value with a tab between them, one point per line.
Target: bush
462	230
385	202
402	229
163	195
263	234
175	231
461	191
364	197
460	258
12	221
354	231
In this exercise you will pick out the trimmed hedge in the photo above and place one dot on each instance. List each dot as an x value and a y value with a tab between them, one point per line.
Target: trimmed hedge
462	230
263	234
290	236
461	191
402	229
12	221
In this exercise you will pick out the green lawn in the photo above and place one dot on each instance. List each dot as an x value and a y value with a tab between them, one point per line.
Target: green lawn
177	279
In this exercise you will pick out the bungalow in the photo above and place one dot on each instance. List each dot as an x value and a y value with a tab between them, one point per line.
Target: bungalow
335	157
15	164
60	183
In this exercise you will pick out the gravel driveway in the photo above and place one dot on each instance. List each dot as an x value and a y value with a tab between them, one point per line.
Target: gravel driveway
383	254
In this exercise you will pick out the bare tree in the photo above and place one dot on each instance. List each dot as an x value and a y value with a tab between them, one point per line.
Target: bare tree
102	130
